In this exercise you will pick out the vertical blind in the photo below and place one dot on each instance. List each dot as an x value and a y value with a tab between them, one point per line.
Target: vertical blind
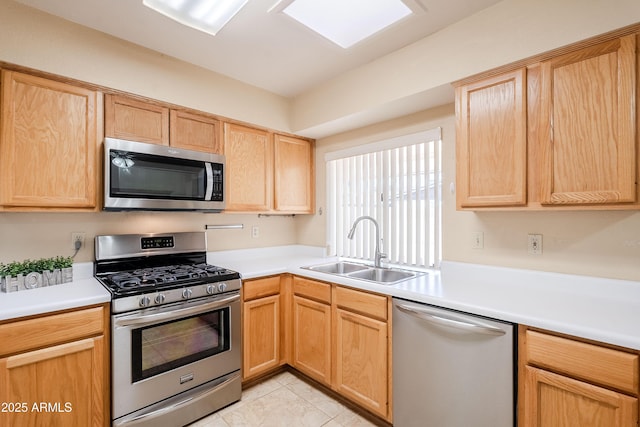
397	182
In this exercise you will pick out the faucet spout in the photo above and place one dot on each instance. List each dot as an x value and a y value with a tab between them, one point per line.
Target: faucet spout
378	255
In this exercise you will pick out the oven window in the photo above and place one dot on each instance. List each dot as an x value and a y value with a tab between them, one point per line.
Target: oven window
160	348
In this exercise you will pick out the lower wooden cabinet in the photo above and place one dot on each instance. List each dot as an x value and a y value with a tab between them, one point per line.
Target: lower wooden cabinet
336	335
261	329
311	329
57	373
566	382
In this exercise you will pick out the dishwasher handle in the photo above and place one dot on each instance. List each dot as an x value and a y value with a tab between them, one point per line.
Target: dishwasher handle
457	322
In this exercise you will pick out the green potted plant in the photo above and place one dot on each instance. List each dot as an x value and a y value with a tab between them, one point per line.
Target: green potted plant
31	274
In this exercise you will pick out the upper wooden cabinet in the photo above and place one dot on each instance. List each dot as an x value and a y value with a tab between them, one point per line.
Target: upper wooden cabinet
492	141
267	172
294	174
558	132
134	120
48	144
141	121
588	125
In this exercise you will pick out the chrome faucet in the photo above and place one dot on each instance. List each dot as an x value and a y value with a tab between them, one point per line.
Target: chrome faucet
378	255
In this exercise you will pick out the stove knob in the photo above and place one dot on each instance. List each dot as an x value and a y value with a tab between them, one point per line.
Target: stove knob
145	301
222	287
159	299
186	293
211	289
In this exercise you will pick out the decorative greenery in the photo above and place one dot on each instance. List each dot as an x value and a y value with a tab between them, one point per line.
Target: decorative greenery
27	266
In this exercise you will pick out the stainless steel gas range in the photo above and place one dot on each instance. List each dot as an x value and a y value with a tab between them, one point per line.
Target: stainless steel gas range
175	328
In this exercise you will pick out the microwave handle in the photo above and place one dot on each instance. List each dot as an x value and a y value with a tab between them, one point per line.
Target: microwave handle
209	177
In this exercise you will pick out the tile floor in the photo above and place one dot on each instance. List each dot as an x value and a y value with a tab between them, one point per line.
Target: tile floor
284	400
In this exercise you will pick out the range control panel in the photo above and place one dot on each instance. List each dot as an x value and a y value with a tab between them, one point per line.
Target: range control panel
157	242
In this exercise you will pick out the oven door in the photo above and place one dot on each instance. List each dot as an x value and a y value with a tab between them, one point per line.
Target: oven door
160	352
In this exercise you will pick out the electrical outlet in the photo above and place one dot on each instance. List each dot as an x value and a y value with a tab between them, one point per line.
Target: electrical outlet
534	244
255	231
477	241
77	237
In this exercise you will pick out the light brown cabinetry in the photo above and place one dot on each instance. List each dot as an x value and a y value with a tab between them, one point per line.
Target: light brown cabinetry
54	369
142	121
311	328
267	172
560	131
588	125
362	345
48	143
569	382
261	326
491	129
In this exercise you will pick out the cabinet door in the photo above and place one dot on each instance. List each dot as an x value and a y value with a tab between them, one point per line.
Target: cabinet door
552	400
48	143
294	175
56	386
261	335
588	113
491	131
312	338
195	132
361	354
134	120
249	158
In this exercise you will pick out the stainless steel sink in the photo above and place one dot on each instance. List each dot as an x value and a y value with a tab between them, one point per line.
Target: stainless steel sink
340	267
383	276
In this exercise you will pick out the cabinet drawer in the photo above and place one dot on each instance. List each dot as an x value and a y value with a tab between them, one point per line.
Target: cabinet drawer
589	362
311	289
24	335
361	302
252	289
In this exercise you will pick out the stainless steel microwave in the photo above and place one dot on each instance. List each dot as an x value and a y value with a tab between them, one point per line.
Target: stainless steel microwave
141	176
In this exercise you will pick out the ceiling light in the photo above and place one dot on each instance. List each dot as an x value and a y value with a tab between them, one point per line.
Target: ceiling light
204	15
346	22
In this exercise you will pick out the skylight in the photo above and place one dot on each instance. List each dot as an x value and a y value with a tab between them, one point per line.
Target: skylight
204	15
346	22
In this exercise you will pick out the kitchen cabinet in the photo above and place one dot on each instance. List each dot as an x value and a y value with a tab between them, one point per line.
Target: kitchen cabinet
362	349
249	178
48	143
557	131
294	175
155	123
311	317
267	173
261	326
491	129
570	382
54	369
588	125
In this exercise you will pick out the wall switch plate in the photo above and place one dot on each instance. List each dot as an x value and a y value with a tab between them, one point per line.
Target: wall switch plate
534	244
477	241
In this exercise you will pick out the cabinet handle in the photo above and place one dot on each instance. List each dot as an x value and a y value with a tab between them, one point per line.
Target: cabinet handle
452	322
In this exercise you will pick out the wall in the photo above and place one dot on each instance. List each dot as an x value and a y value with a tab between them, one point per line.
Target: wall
597	243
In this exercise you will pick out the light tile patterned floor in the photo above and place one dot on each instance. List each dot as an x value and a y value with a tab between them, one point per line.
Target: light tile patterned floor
284	400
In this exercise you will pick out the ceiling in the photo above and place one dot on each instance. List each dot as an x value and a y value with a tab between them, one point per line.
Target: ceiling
267	50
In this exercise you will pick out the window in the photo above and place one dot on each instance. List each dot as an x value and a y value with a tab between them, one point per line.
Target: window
397	182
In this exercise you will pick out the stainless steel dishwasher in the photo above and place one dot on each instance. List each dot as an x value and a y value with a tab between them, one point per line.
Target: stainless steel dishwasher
451	369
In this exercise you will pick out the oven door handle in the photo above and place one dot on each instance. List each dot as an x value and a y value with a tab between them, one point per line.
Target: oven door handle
175	314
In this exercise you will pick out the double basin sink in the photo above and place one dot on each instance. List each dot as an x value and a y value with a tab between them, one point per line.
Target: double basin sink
383	276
